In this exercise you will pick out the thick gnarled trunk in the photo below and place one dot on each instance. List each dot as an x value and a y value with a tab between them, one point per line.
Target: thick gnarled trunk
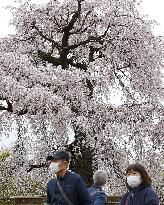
81	157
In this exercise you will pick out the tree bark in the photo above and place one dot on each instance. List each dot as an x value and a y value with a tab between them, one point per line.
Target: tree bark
81	157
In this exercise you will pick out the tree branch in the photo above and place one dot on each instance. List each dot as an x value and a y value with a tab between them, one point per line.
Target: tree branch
74	18
122	85
46	38
83	23
34	166
70	25
47	57
82	43
91	39
78	65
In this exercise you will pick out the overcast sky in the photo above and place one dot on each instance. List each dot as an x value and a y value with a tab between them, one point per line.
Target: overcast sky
154	8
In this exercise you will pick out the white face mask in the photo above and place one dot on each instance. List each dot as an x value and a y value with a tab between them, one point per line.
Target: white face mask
54	167
134	181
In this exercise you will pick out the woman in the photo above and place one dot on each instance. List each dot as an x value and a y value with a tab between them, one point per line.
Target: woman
97	194
138	183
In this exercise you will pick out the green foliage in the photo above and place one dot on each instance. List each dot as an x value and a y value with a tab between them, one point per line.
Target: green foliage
4	155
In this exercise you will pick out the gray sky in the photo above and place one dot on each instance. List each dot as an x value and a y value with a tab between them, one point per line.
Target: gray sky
154	8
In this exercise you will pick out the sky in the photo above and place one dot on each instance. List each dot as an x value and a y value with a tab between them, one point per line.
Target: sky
153	8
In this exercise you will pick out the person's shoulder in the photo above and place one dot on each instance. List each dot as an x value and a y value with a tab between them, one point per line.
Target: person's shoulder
102	193
151	196
149	192
51	182
149	189
74	175
91	188
97	191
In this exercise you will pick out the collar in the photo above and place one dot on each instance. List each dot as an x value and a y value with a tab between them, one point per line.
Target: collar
138	188
97	186
63	177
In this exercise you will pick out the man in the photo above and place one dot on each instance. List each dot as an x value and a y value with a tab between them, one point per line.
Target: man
98	195
66	188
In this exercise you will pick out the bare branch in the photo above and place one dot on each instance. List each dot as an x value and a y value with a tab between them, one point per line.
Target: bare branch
83	43
34	166
75	16
48	57
82	66
91	39
83	23
56	22
79	31
87	14
106	30
122	84
47	38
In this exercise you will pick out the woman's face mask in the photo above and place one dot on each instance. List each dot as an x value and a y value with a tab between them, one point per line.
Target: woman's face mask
134	180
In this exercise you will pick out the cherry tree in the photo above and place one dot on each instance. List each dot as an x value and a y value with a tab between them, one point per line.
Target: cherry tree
61	67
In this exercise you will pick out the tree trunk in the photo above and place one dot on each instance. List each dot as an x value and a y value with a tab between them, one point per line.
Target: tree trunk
81	157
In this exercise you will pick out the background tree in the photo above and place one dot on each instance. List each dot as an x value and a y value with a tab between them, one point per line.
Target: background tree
62	65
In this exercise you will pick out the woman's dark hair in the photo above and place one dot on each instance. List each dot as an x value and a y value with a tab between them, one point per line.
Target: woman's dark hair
139	168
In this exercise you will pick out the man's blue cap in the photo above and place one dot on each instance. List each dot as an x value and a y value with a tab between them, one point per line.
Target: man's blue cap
61	154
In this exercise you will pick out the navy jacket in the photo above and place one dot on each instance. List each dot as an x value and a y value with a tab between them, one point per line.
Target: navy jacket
73	186
143	195
99	198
